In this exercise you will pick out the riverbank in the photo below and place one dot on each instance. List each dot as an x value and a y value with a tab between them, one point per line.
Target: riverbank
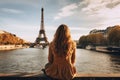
11	47
104	49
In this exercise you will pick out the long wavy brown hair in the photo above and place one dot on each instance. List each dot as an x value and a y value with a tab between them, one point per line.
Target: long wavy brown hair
62	42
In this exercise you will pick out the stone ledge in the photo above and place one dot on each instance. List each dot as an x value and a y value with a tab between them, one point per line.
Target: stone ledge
40	76
45	78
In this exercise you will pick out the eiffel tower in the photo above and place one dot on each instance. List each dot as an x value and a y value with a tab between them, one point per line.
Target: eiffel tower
41	40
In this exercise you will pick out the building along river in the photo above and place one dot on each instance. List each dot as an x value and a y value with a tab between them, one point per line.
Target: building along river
32	60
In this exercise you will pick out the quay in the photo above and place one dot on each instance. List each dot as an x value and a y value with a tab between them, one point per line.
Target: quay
41	76
104	49
11	47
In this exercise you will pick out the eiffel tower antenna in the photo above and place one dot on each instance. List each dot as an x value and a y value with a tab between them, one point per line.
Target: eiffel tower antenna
42	3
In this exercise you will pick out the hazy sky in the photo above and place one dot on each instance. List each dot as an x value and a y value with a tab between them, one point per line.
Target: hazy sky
22	17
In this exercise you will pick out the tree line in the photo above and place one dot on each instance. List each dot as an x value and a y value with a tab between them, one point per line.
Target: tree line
112	38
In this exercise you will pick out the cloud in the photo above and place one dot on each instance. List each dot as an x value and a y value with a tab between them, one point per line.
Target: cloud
66	11
8	10
62	2
50	28
34	3
113	3
101	7
104	10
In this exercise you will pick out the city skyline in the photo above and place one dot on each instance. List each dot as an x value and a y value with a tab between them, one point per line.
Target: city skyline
23	17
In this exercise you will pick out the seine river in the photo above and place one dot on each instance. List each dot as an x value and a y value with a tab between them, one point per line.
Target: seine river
32	60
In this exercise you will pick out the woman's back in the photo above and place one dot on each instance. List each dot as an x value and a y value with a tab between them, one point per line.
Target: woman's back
61	55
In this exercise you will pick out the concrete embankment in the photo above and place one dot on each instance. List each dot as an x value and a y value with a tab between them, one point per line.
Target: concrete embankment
104	49
41	76
11	47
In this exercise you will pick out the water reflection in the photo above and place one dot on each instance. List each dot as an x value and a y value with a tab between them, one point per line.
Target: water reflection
32	60
115	63
93	62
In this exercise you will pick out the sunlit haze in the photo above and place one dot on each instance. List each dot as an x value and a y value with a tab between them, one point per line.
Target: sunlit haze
23	17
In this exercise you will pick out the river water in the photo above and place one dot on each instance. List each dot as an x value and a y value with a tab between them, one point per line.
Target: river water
32	60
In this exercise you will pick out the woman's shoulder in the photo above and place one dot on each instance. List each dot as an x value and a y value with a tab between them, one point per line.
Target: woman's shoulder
51	44
72	43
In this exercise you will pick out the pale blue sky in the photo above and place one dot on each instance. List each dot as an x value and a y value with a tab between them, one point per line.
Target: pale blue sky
22	17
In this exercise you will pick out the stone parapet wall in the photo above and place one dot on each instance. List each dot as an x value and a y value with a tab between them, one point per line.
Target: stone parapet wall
10	47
